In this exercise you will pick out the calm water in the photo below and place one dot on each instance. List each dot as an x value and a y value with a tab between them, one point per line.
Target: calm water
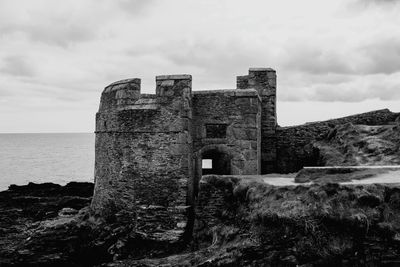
58	158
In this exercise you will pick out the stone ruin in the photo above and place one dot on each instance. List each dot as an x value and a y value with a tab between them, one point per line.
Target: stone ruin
152	149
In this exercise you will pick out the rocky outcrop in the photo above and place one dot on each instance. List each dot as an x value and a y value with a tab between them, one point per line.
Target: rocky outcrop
29	233
52	225
239	222
247	223
295	143
349	145
321	225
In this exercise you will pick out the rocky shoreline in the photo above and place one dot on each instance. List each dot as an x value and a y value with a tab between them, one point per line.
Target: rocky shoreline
23	210
239	222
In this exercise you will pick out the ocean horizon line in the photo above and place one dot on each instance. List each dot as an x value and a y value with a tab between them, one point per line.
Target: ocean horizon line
47	132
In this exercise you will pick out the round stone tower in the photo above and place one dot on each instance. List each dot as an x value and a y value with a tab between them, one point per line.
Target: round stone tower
143	162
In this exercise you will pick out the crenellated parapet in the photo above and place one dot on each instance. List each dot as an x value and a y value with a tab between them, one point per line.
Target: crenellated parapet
120	94
126	93
173	85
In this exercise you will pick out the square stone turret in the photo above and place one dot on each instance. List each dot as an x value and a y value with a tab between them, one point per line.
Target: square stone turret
264	81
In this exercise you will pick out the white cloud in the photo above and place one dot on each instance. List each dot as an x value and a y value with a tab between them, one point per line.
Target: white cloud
17	66
59	55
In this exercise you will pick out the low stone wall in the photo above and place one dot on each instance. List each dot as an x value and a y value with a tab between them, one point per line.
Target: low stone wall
294	143
314	173
214	202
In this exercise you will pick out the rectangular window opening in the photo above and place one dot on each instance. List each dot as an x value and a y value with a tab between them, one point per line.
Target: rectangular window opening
216	130
206	164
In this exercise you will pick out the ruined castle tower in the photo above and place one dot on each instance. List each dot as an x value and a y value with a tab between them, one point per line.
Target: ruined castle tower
264	81
152	149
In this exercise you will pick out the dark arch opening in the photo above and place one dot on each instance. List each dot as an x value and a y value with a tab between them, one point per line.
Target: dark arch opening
220	157
215	162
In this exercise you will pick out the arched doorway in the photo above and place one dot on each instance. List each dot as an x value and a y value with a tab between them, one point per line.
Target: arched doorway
211	159
214	161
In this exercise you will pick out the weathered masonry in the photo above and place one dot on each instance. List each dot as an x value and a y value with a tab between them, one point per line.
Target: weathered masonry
152	149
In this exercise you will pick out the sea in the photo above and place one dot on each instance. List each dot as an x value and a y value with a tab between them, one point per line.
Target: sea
46	157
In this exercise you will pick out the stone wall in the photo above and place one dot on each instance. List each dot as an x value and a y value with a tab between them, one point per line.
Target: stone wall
143	162
214	205
238	111
264	81
294	143
149	147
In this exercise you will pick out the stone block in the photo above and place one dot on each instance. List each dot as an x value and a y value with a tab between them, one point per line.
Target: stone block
251	134
239	165
242	102
253	144
177	125
127	83
182	138
242	144
173	85
250	119
186	113
261	70
244	133
174	77
184	163
179	149
250	154
242	82
126	93
250	167
165	83
251	93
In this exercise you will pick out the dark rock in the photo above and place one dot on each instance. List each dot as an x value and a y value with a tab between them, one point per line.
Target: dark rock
67	212
31	232
293	143
369	200
238	223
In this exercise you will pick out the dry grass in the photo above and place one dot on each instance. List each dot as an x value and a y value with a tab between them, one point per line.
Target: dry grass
323	220
350	144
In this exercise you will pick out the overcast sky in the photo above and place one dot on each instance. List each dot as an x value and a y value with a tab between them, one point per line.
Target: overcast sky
332	58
